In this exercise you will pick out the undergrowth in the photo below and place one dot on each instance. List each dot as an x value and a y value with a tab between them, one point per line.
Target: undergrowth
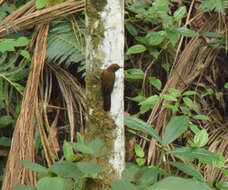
157	32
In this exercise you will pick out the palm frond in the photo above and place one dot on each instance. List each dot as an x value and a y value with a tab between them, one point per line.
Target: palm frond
63	45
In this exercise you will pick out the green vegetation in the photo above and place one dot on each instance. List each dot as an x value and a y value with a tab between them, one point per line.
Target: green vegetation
176	84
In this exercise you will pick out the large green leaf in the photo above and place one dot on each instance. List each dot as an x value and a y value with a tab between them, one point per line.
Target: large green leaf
46	183
140	125
149	176
118	184
66	169
174	183
188	169
24	187
203	155
89	168
176	127
33	166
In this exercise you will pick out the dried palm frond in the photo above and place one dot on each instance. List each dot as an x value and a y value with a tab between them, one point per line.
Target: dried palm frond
22	147
74	97
32	17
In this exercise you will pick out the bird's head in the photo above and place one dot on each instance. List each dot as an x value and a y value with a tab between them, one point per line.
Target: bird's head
113	67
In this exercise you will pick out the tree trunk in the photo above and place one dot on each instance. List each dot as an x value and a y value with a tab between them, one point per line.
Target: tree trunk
105	46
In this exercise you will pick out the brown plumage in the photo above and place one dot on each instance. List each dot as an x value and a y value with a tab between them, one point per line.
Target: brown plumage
107	82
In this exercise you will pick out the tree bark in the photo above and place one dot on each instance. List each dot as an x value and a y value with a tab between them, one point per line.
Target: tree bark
105	46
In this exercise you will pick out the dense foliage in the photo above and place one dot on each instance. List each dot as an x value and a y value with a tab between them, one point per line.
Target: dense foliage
192	114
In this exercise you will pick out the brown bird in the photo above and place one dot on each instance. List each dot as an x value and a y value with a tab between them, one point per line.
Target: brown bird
107	82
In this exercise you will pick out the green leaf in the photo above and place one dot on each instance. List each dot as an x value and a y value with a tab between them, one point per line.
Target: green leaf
226	85
174	108
5	141
118	184
25	54
193	128
210	5
212	35
140	161
2	60
134	74
82	148
222	185
225	171
190	154
80	138
150	100
66	169
188	102
167	21
155	38
168	97
131	29
185	111
138	98
218	95
98	147
174	183
68	152
5	121
154	52
187	32
40	4
139	151
173	35
33	166
140	125
166	66
55	183
149	176
130	172
138	48
175	128
219	162
180	12
189	93
174	92
7	45
188	169
201	117
21	41
24	187
88	168
155	82
161	5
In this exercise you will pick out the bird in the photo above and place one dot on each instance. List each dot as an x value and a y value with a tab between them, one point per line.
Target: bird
107	83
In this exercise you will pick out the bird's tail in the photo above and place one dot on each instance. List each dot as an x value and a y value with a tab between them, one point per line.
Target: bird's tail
107	102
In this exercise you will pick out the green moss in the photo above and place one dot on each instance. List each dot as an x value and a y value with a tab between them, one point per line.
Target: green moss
99	123
95	25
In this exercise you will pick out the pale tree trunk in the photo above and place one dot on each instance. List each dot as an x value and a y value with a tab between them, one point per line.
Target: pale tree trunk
105	46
